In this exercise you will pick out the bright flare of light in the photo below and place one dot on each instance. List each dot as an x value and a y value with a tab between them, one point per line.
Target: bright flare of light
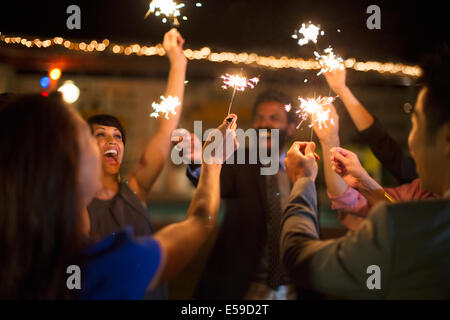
238	82
308	32
329	61
55	73
287	107
314	108
167	8
70	92
166	106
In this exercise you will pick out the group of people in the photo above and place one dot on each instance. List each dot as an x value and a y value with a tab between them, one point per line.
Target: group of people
64	203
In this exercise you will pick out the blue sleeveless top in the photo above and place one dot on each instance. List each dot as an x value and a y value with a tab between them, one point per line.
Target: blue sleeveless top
120	267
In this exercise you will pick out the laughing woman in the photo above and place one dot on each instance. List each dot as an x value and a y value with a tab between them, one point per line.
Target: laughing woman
50	170
122	202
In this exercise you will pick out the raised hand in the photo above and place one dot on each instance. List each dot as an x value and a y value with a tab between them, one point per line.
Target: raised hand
336	79
329	135
221	143
173	45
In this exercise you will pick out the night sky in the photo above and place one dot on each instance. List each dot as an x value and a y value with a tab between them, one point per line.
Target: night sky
408	29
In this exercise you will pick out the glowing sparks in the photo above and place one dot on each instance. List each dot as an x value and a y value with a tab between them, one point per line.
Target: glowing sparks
314	108
167	105
329	61
169	9
308	33
287	107
238	82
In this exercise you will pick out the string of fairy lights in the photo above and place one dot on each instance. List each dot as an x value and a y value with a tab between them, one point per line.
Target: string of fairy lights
206	53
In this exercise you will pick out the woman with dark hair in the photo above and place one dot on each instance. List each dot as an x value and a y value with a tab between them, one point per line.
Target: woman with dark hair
49	171
123	202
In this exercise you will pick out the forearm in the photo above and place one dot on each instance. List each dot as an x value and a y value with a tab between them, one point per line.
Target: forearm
181	241
159	145
336	186
207	194
175	88
371	190
360	116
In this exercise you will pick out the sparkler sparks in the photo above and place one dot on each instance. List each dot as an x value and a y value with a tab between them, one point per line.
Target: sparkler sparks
238	82
315	109
329	61
308	32
167	105
167	8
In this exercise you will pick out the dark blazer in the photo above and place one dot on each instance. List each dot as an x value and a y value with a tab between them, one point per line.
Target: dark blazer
410	242
237	253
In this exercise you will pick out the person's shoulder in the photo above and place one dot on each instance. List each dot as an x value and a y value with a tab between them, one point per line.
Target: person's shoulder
412	214
122	242
122	265
425	206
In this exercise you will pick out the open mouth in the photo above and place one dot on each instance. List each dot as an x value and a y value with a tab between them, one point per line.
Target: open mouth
111	155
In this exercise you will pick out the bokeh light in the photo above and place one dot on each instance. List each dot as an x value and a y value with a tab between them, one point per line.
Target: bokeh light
70	92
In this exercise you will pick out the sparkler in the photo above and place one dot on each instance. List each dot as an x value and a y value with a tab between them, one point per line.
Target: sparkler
309	33
329	61
167	105
238	83
315	108
169	9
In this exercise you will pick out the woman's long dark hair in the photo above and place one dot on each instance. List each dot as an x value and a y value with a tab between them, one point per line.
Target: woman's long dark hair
40	222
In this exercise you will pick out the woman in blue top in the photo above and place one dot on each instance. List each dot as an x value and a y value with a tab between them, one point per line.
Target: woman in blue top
49	171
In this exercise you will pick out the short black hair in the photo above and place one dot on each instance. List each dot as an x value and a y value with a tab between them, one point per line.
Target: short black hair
436	80
278	96
106	120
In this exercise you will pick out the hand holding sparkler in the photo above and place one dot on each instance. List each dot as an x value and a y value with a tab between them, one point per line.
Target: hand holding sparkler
328	134
222	151
347	165
336	79
173	45
301	161
329	61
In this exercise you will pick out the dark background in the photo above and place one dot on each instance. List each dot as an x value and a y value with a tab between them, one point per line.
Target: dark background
408	29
